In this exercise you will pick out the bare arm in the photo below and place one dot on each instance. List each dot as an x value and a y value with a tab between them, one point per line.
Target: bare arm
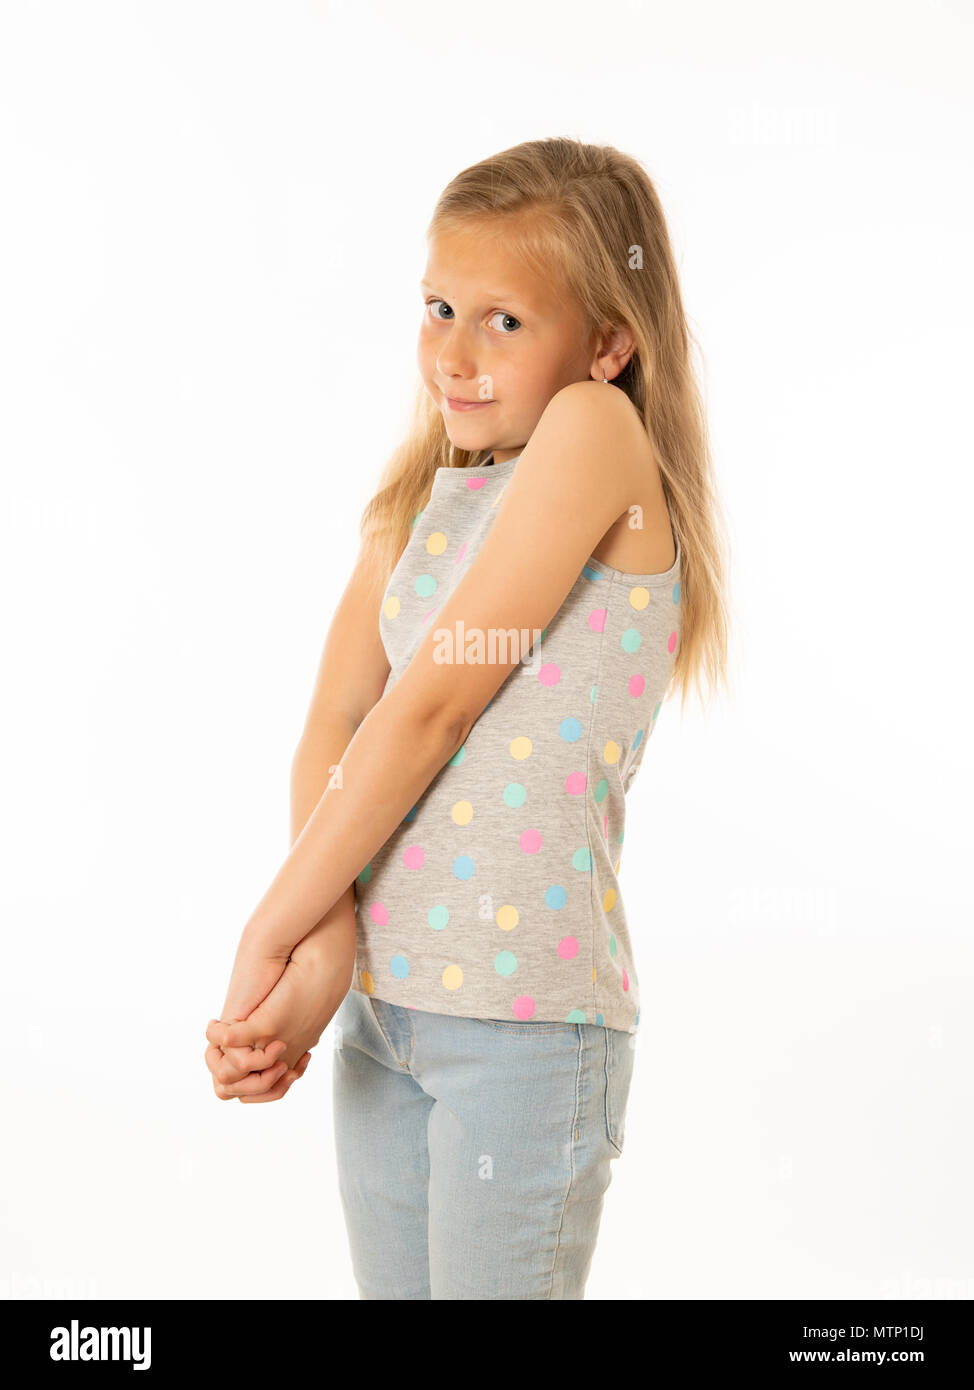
316	755
574	480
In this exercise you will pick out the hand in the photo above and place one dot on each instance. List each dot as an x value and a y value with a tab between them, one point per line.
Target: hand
260	1057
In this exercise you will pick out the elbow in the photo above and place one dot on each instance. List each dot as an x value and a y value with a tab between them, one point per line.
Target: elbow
425	719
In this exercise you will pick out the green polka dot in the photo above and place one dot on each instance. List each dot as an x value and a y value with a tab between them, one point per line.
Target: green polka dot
458	756
630	640
514	795
576	1016
366	874
582	860
601	790
505	962
425	585
438	917
612	945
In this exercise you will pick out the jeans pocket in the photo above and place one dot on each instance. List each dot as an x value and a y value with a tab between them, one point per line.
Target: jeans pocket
619	1060
525	1028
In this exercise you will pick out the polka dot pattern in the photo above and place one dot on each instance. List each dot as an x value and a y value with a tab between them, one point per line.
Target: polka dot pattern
497	896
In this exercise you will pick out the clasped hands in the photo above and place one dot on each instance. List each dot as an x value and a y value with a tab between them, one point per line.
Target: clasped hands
276	1011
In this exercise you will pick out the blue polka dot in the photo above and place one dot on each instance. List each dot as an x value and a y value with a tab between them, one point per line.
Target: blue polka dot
399	966
463	866
637	740
570	729
438	917
556	896
514	794
676	592
411	815
599	1019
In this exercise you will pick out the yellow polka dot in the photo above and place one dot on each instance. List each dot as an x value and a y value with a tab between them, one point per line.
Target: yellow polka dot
462	812
520	747
593	974
507	917
639	596
610	752
391	607
436	543
609	901
452	977
368	984
618	866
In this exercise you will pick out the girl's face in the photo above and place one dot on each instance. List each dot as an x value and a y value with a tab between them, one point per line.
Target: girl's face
492	334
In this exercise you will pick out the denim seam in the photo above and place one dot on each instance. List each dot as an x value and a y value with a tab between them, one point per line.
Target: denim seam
571	1151
608	1121
378	1024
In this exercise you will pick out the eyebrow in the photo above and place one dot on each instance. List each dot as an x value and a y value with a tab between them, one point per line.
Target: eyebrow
501	295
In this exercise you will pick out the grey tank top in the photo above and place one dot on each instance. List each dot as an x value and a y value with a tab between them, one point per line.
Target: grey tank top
497	896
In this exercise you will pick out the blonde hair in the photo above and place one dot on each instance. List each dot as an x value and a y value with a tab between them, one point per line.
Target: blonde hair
589	214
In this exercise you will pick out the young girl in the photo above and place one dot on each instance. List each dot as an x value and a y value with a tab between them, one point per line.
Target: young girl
541	565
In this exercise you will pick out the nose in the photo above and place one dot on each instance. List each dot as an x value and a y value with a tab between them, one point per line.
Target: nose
455	358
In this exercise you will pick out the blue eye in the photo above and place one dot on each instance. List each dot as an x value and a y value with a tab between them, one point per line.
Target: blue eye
499	314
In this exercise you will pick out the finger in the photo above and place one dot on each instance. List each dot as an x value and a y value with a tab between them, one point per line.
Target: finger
258	1057
257	1083
226	1070
246	1059
282	1087
237	1032
227	1075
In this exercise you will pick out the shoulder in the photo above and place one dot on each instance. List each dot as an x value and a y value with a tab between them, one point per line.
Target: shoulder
594	406
589	441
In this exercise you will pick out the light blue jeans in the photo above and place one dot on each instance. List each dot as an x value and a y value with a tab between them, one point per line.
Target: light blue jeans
474	1154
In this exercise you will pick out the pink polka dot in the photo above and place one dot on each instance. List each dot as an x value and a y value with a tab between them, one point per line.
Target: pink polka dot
596	619
530	841
637	684
413	857
575	783
671	644
460	554
625	979
523	1006
475	484
549	674
568	947
378	914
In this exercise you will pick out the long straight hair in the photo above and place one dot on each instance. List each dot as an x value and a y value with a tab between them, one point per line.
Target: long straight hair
590	215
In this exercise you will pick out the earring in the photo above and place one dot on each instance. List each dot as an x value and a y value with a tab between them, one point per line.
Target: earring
604	382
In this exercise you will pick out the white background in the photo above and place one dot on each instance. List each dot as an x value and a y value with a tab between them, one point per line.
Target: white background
212	237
